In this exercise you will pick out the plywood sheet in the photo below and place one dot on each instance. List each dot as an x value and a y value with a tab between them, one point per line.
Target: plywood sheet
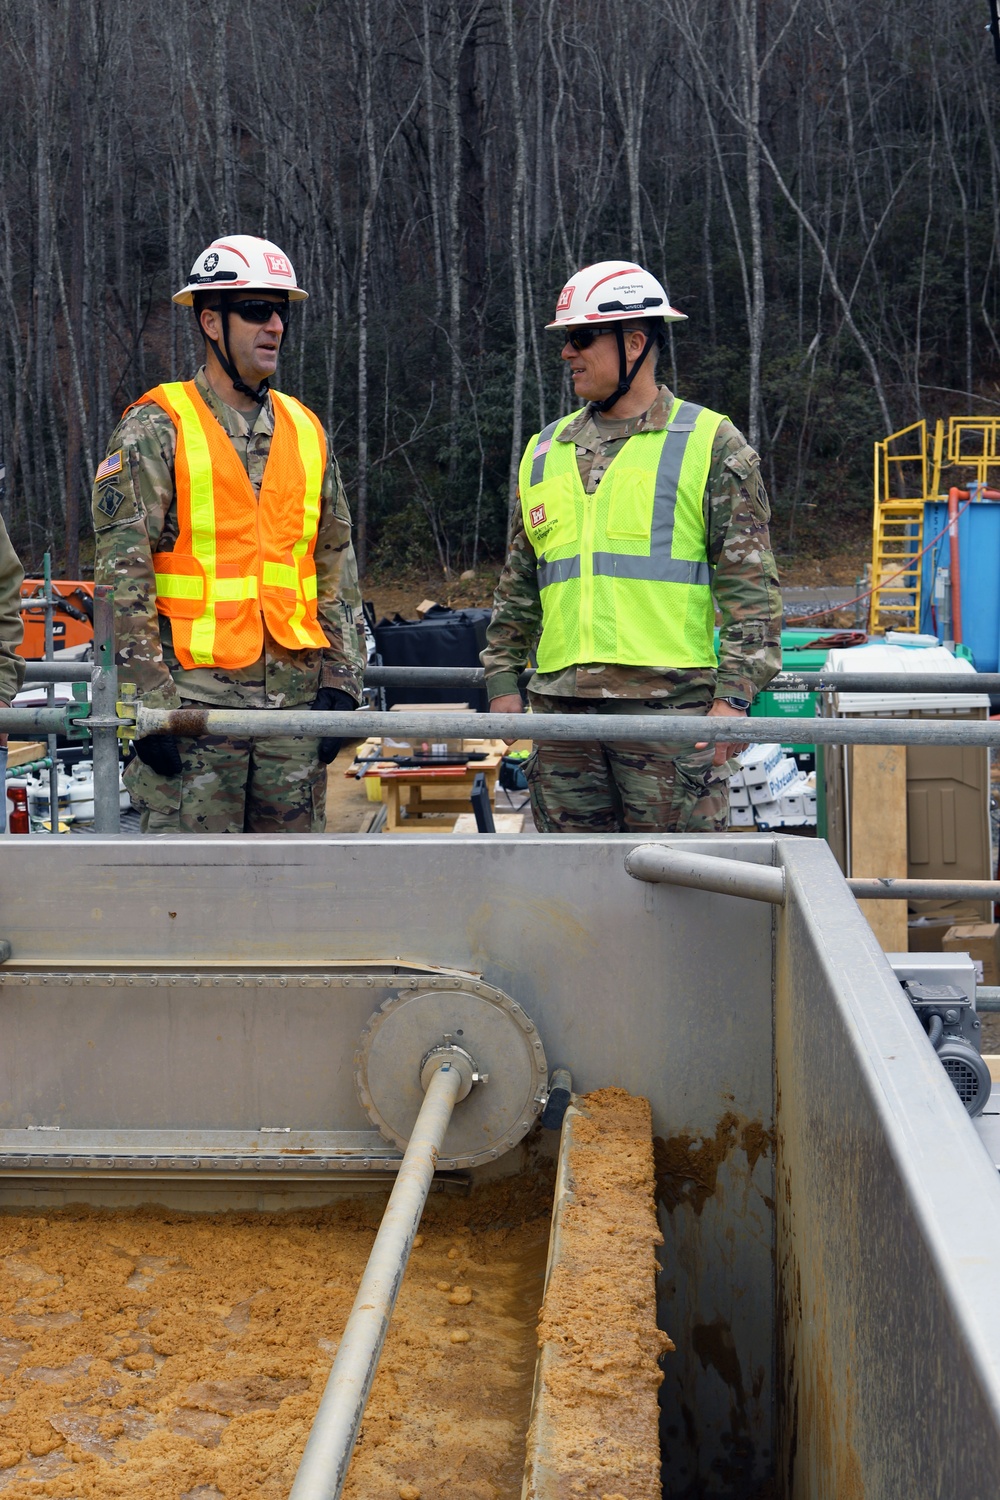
878	833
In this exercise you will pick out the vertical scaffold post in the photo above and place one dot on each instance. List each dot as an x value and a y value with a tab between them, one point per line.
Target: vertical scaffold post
103	697
50	694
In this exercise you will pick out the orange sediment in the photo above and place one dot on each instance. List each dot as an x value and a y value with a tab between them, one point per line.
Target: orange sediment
154	1353
600	1372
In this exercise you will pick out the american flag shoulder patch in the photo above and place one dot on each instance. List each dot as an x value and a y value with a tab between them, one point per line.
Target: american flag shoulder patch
111	465
542	448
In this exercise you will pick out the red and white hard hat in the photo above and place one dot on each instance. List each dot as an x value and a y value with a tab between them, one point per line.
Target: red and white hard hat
611	292
240	263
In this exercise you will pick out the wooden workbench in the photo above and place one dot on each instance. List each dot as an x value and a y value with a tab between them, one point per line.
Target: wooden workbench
432	790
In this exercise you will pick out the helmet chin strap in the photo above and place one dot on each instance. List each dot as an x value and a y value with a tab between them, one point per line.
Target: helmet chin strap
625	376
225	360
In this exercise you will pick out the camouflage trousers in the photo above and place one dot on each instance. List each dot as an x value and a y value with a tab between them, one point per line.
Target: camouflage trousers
234	786
626	787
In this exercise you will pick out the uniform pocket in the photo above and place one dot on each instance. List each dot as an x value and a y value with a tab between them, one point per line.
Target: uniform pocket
151	793
693	782
630	504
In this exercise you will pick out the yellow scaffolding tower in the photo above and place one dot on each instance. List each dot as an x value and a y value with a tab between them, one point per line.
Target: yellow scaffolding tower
974	443
908	474
901	487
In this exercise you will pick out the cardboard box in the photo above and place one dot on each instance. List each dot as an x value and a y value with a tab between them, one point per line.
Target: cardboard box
439	744
740	817
738	796
780	780
924	936
981	941
757	761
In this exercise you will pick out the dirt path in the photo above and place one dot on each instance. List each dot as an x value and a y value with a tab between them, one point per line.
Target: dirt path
400	592
347	803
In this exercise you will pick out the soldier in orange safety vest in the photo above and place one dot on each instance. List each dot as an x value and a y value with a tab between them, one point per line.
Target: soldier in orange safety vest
223	527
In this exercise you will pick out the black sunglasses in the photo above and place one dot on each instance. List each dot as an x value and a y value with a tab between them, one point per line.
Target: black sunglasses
257	310
582	338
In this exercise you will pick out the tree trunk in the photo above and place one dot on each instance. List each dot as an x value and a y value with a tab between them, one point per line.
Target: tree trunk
75	225
516	255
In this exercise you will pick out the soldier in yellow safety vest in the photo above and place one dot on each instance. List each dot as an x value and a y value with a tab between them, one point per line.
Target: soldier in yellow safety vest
223	527
640	514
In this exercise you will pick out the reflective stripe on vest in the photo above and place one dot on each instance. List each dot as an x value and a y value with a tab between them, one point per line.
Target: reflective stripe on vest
623	574
238	559
310	447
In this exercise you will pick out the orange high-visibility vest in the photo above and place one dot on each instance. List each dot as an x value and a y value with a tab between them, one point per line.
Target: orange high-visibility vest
238	559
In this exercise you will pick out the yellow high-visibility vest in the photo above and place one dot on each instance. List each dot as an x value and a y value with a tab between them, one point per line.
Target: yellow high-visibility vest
623	573
240	560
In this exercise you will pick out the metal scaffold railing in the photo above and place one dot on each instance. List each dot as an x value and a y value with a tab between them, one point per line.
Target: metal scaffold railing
111	717
653	728
475	677
97	720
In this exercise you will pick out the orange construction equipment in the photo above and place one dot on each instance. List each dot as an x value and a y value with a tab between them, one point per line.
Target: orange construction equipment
72	620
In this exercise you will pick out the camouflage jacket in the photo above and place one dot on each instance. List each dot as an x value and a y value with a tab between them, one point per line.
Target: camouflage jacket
135	515
11	623
744	580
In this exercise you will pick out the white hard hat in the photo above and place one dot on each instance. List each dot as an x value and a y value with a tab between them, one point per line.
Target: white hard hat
239	263
611	292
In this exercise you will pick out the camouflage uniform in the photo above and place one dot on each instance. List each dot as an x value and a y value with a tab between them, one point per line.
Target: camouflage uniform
644	787
227	785
11	623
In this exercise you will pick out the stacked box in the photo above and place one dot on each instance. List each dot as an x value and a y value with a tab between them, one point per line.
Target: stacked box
756	762
981	941
770	791
775	782
788	812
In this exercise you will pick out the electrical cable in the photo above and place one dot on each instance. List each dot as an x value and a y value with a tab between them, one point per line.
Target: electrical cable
835	608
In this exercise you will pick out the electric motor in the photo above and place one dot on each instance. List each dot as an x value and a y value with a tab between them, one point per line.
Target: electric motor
949	1018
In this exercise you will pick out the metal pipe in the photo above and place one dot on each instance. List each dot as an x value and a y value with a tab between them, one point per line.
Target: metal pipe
785	682
659	728
424	676
987	998
887	888
334	1431
886	682
706	872
57	671
103	721
34	721
50	696
581	728
956	571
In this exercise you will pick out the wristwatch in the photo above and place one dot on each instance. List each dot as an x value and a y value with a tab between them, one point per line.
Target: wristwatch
742	704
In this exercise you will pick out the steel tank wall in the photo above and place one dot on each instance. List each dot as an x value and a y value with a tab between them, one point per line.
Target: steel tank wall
664	992
888	1227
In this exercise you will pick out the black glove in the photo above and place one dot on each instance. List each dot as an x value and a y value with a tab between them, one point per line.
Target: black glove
332	700
160	753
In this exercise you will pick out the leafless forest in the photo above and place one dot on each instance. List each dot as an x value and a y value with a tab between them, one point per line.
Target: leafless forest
816	181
